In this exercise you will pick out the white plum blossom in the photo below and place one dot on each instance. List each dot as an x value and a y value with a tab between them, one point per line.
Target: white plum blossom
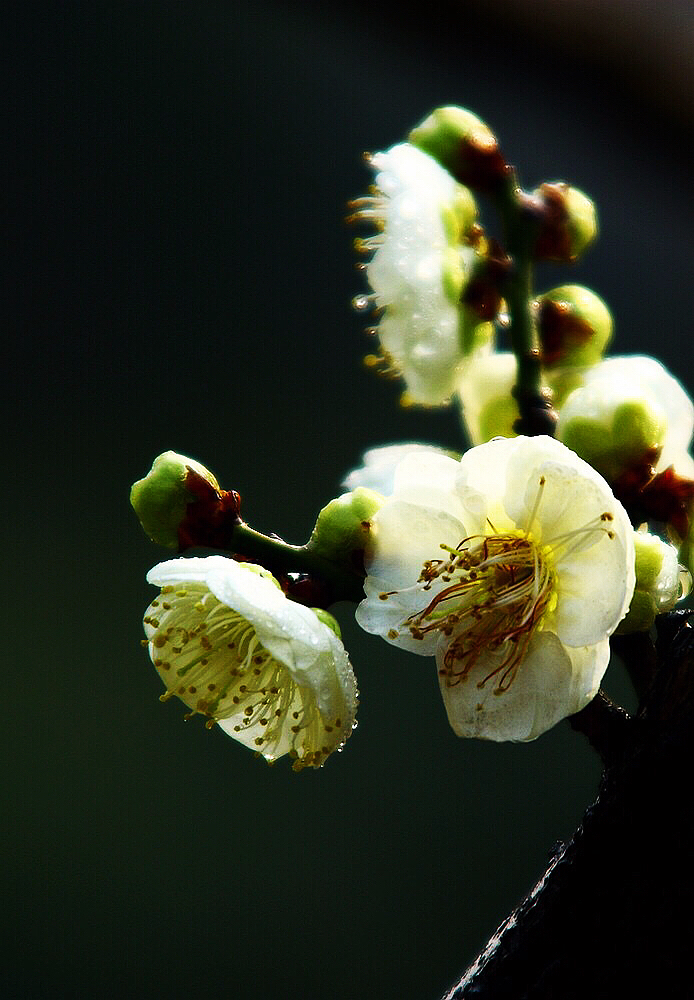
224	639
417	269
512	567
378	471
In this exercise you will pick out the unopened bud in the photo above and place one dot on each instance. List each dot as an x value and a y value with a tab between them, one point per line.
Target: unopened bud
574	326
569	222
660	582
342	527
161	499
463	145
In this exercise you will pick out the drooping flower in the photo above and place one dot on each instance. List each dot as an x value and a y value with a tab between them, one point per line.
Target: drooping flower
512	567
226	641
418	268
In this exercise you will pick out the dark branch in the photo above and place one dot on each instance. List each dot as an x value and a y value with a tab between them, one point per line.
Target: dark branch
609	917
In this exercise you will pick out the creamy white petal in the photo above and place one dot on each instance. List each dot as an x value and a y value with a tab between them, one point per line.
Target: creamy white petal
483	380
404	536
551	683
594	590
378	470
483	469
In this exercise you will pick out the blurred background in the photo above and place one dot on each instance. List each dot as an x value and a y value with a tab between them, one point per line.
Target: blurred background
183	276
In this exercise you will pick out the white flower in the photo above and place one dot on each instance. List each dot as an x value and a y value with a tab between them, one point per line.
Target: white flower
226	641
512	567
418	268
667	411
378	471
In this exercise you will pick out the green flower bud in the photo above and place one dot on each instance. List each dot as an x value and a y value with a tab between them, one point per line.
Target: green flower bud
462	144
574	326
659	583
161	498
342	527
569	225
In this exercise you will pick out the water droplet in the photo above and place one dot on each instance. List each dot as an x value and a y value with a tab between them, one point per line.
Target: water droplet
360	303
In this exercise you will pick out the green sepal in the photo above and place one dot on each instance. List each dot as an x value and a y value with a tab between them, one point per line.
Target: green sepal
161	498
324	616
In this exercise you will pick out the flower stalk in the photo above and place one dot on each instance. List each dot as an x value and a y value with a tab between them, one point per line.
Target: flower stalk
342	582
520	215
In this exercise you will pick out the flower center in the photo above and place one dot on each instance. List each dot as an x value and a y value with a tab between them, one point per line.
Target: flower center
209	656
499	588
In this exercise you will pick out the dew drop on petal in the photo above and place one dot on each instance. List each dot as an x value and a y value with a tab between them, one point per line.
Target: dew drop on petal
360	303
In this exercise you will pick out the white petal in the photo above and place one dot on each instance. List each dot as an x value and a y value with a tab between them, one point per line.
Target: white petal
483	379
568	480
594	590
378	471
552	682
483	468
387	617
404	536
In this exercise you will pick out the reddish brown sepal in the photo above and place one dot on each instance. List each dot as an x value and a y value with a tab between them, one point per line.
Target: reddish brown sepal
557	326
308	590
669	497
210	518
553	242
483	293
479	165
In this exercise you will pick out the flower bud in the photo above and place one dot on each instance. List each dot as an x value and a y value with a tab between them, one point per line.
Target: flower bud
659	583
160	500
574	326
342	527
463	145
569	222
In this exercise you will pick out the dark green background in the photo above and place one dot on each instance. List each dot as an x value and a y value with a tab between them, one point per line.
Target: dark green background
183	274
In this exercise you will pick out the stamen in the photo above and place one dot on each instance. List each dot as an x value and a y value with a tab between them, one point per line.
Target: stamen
498	589
536	505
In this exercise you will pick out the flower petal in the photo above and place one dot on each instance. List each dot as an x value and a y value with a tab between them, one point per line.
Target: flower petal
594	590
378	470
404	536
551	683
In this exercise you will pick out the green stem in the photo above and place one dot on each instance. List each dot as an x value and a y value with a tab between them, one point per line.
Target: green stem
280	557
533	399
